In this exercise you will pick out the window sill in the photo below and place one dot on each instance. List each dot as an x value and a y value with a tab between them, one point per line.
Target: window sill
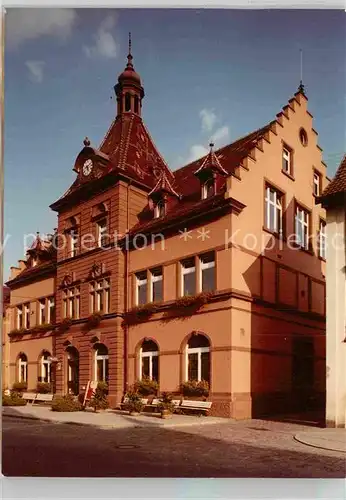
290	176
323	259
278	236
305	250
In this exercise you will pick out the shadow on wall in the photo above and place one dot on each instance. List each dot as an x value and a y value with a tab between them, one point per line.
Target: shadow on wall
287	361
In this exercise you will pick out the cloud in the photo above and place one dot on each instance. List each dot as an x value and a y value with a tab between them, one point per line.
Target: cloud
28	24
220	136
35	70
209	119
104	45
196	151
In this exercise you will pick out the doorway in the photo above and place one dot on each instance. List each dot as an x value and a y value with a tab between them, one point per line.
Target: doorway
72	371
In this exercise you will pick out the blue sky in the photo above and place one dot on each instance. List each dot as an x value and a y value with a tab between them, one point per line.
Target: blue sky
206	73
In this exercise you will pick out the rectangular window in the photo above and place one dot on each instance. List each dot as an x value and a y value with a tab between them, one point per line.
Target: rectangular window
322	247
141	288
42	312
302	227
102	232
100	296
317	184
188	277
71	302
156	285
287	161
20	323
208	189
51	310
273	210
73	242
26	315
207	265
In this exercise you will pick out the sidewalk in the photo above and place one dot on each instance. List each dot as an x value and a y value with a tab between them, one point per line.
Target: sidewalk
328	439
110	419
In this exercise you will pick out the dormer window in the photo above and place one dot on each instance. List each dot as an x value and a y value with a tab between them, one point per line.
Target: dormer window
159	210
208	189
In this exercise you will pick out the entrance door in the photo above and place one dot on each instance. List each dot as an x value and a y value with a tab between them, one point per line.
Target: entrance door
72	371
303	371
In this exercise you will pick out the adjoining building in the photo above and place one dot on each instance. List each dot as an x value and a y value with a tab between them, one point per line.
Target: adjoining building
333	199
31	316
214	272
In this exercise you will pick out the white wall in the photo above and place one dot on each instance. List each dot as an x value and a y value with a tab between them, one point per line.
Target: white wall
336	314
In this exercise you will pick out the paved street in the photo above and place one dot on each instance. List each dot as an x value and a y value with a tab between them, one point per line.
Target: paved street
241	449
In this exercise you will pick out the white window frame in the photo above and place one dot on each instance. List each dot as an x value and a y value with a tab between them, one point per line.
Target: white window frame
199	351
22	364
150	355
139	282
98	288
103	358
287	156
101	230
317	184
73	243
160	209
154	279
206	265
20	317
26	316
51	305
205	186
277	204
42	309
71	299
184	272
322	240
46	362
302	217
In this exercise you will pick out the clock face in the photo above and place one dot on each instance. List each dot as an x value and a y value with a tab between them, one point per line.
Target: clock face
87	167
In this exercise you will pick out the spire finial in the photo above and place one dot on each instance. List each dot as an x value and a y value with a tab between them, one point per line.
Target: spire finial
211	145
86	142
129	55
301	85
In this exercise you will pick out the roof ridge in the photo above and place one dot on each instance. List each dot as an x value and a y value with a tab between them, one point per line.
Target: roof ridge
218	151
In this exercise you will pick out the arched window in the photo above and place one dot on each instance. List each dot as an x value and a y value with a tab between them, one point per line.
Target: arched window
127	102
208	189
160	209
45	367
22	368
149	360
198	358
136	104
101	363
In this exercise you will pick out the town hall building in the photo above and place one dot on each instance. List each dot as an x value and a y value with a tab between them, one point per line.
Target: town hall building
214	271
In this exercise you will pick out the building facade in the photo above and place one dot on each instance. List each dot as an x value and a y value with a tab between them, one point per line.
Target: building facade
5	339
334	201
214	272
31	316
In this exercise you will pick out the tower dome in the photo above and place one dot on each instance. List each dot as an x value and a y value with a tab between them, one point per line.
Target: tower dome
129	90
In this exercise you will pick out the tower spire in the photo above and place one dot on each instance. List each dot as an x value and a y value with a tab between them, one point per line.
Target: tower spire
129	55
129	90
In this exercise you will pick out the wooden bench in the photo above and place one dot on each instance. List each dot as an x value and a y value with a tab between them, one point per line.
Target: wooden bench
43	398
200	406
29	396
156	401
126	400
